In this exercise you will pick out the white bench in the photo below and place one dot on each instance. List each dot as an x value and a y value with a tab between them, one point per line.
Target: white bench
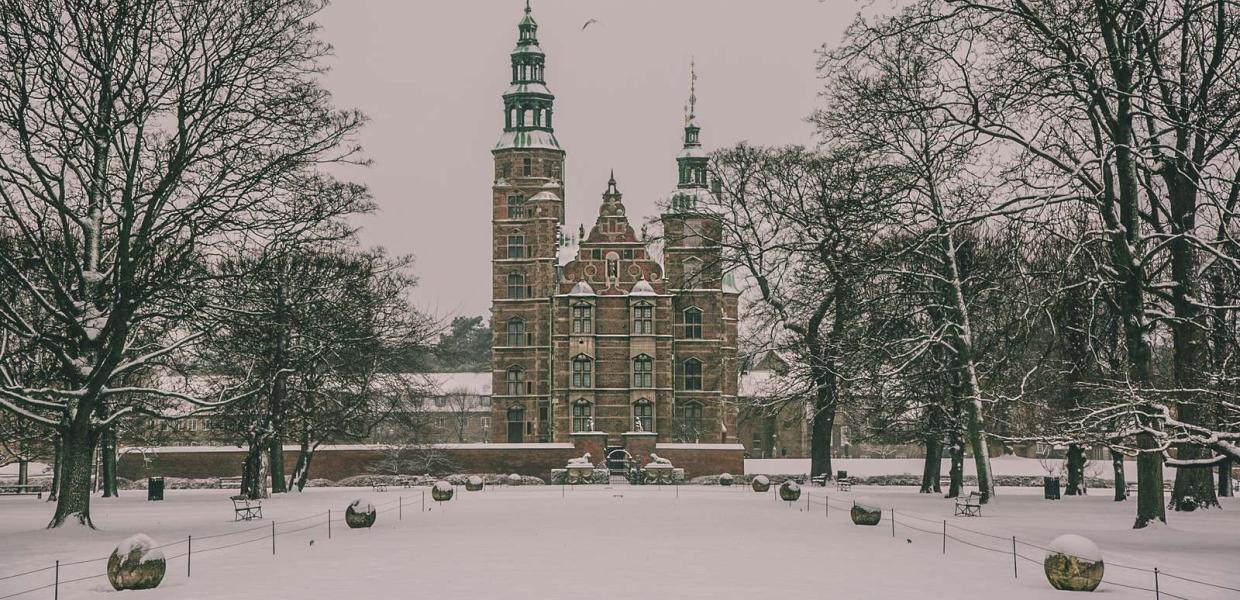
245	509
969	505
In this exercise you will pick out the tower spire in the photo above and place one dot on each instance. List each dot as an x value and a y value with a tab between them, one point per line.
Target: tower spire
690	112
528	104
691	162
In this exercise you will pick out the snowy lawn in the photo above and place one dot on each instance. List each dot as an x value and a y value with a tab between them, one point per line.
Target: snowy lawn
612	542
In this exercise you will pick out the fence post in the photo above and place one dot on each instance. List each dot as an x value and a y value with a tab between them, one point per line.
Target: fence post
826	506
400	508
1157	593
423	500
944	536
189	554
893	522
807	502
329	523
56	582
273	538
1015	572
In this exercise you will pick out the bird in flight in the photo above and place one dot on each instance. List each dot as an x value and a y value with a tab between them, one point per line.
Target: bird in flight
589	23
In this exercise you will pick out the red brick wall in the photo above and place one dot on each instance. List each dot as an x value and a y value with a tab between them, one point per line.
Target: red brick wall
337	464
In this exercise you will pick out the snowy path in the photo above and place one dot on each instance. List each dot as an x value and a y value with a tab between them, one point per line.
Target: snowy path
620	542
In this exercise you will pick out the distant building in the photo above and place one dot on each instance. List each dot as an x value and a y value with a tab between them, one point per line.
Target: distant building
608	339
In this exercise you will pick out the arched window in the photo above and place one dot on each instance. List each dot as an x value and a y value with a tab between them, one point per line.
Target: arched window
583	318
583	372
643	319
693	324
583	416
643	371
516	204
516	245
643	415
516	381
692	379
516	332
516	286
692	267
690	421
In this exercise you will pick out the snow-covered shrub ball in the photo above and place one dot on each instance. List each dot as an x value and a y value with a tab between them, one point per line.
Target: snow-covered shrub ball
725	479
473	484
790	491
514	479
359	515
1073	563
866	514
761	483
442	491
136	565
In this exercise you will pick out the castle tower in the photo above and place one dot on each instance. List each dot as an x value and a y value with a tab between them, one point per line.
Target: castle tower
704	304
527	213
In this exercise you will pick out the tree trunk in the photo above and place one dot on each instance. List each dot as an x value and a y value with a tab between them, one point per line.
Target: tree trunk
77	462
253	473
23	472
276	462
957	466
820	442
1150	505
1224	479
108	471
301	472
57	467
1194	487
1076	471
1121	483
933	464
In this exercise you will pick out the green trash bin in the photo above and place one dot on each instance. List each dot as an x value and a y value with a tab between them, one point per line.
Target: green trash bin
154	488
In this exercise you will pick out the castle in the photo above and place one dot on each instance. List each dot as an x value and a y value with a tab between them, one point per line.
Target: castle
604	340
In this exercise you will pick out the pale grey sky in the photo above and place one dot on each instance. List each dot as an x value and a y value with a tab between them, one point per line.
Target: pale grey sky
430	74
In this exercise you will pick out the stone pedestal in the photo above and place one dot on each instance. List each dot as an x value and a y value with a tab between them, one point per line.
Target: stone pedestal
594	442
640	444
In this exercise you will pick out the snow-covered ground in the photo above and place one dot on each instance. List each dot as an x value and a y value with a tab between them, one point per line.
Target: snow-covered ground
869	467
613	542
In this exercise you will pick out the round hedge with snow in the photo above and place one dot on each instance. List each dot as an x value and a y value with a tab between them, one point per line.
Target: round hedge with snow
865	513
726	479
360	516
473	484
761	483
1073	563
790	491
514	479
136	564
442	491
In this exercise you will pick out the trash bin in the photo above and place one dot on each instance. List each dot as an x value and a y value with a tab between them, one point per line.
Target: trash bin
1050	488
841	475
154	488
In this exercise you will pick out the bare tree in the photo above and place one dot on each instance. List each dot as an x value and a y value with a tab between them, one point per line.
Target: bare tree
137	138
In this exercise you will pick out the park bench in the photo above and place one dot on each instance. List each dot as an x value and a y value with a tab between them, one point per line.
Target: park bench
843	484
245	509
230	482
20	489
969	505
379	487
820	480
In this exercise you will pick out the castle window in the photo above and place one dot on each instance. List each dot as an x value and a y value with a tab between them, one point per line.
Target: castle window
628	254
643	372
516	332
690	421
643	414
583	414
643	319
516	202
516	286
527	167
583	318
516	245
692	379
516	381
692	266
596	254
583	372
693	324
